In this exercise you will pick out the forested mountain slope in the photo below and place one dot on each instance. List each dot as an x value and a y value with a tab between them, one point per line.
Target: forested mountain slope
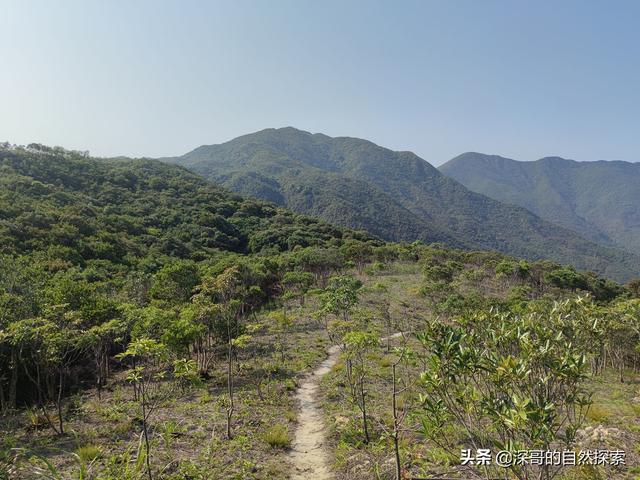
72	209
600	200
395	195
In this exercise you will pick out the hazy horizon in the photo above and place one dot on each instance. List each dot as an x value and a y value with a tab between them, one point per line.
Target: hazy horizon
155	79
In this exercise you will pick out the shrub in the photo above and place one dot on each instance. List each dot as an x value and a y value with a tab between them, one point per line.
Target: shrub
278	436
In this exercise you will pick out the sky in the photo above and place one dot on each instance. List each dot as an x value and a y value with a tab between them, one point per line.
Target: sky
522	79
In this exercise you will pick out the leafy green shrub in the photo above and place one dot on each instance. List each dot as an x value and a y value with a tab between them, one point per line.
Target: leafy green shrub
374	268
518	379
290	385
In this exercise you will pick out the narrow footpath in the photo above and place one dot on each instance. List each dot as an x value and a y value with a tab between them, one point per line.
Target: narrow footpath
309	454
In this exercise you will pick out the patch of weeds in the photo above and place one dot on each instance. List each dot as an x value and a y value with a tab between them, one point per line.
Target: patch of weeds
273	469
170	430
291	415
121	429
8	441
116	412
74	405
352	435
36	420
385	362
583	472
380	287
597	413
341	454
241	442
118	394
278	436
88	453
439	456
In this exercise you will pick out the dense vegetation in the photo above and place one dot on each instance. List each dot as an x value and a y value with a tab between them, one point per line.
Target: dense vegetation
155	326
79	211
80	238
597	199
394	195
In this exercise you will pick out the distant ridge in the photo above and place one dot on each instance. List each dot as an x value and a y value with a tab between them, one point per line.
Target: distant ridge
600	200
394	195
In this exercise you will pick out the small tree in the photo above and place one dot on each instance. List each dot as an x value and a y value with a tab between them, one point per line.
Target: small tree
47	348
100	339
297	285
634	287
280	325
174	283
223	296
400	386
321	262
358	252
387	320
185	371
510	382
339	298
359	345
622	333
149	357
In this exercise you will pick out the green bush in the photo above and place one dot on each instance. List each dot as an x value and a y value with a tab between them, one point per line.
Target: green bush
278	436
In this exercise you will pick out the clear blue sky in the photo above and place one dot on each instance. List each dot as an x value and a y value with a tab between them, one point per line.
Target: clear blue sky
154	78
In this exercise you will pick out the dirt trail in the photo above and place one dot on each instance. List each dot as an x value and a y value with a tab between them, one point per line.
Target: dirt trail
309	454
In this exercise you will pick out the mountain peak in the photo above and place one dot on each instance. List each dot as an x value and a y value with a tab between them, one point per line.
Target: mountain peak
394	195
556	160
477	157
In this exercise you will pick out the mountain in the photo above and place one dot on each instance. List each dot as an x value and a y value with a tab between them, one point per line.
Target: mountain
76	210
394	195
600	200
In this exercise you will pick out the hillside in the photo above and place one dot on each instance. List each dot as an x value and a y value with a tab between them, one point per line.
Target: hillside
274	387
395	195
155	326
72	209
597	199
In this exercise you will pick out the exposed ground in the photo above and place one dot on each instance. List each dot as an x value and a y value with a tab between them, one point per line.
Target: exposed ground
309	454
